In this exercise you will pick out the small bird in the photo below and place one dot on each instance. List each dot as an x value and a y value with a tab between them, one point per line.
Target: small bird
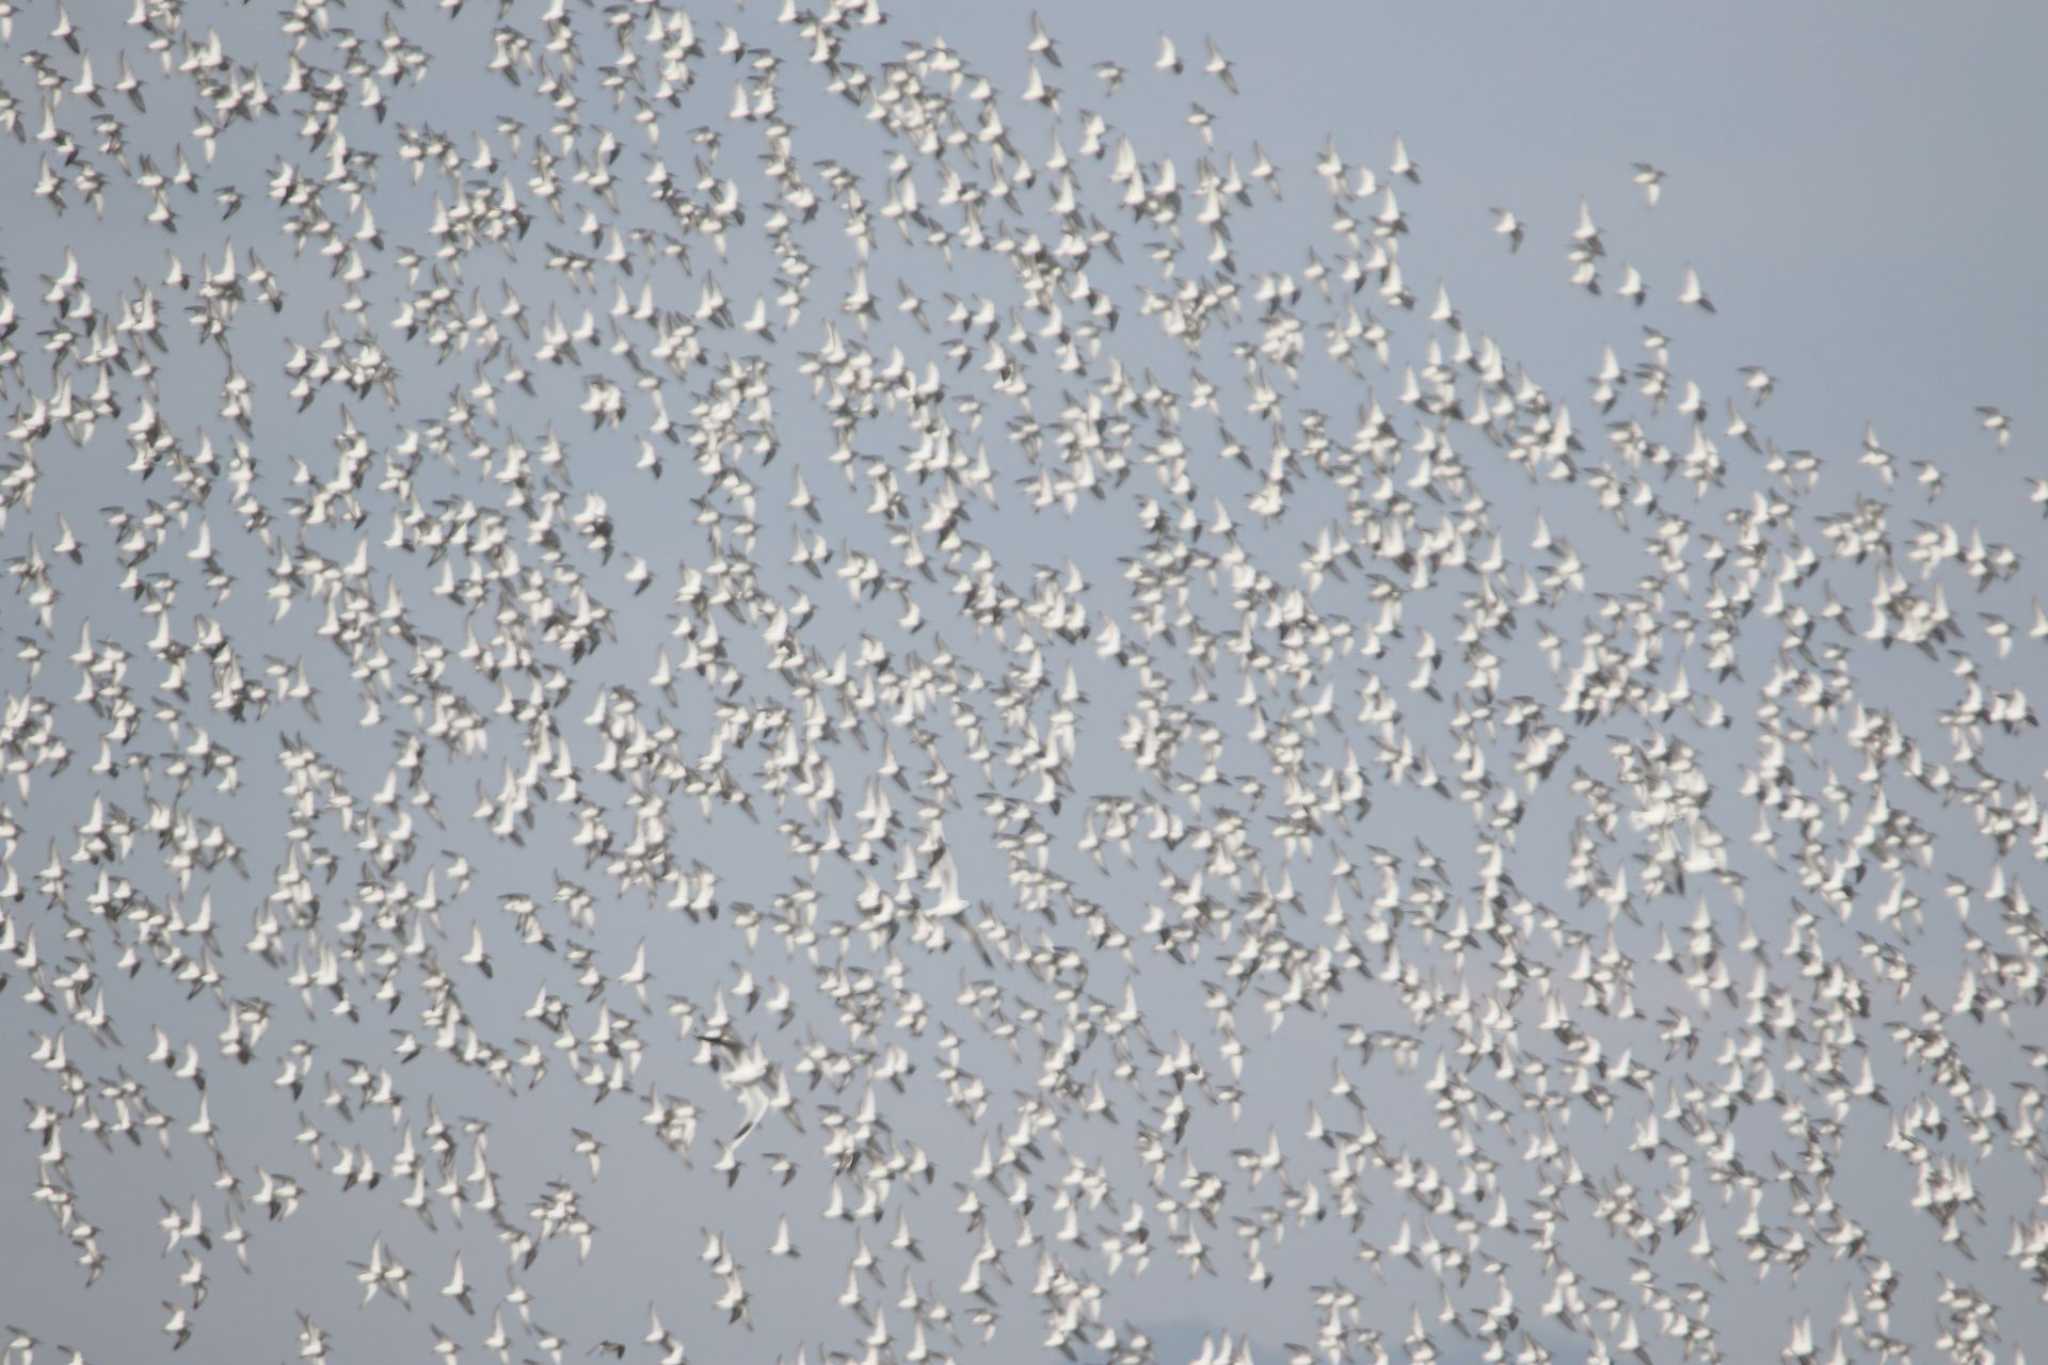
1691	293
1632	287
1652	182
1507	225
588	1147
1218	65
1403	165
458	1289
1041	44
1997	423
178	1327
1586	235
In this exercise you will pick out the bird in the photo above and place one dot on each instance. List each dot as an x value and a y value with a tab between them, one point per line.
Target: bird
1507	225
1402	165
458	1288
1690	293
1041	44
1632	287
589	1148
1997	423
1651	181
1217	65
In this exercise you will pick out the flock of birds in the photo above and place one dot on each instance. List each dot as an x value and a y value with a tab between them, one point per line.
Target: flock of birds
1040	749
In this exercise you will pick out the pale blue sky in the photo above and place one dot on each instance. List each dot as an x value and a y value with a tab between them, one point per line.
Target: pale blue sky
1848	180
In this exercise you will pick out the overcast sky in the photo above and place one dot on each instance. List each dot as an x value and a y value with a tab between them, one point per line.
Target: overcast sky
1847	181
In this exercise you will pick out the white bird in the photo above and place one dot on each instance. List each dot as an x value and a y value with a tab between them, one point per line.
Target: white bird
1586	235
1041	44
589	1148
1402	165
1632	287
457	1288
1692	294
1997	423
1652	182
1509	226
1218	65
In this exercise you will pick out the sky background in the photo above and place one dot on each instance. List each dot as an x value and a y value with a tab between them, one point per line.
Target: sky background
1847	181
